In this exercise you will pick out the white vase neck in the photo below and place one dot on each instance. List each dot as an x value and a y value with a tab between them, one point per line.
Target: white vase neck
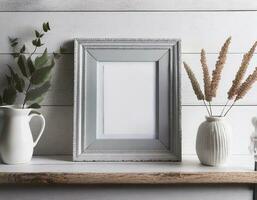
214	118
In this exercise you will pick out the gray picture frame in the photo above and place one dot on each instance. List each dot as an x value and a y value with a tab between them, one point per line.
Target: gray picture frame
167	144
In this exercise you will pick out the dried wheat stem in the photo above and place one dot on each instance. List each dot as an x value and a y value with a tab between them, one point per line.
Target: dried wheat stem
216	74
196	87
246	86
229	108
210	107
206	77
224	107
240	73
207	108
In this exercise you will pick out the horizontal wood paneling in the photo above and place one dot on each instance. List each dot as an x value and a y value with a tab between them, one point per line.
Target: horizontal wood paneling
125	5
61	92
57	138
196	29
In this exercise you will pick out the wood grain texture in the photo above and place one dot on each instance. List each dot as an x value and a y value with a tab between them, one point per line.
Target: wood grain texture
125	5
67	26
59	170
129	178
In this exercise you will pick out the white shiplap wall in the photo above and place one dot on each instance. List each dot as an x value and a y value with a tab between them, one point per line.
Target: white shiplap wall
200	24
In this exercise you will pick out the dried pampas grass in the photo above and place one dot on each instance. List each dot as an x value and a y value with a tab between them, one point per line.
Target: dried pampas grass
237	90
246	86
216	74
240	73
206	77
196	86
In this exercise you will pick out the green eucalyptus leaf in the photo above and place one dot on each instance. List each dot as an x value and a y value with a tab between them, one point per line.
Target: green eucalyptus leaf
23	49
33	94
39	99
39	44
22	63
48	26
15	55
19	83
34	42
37	33
9	79
31	65
11	70
34	112
40	61
9	95
42	75
14	44
12	40
34	105
45	27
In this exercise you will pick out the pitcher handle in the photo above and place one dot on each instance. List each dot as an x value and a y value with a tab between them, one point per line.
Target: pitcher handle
42	127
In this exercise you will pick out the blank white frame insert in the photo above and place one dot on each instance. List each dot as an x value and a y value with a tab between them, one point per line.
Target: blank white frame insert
126	100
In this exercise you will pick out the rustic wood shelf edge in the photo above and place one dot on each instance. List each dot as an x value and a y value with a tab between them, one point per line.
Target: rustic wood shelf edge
61	170
130	178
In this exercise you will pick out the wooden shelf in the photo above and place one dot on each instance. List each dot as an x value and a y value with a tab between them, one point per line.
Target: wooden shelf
61	170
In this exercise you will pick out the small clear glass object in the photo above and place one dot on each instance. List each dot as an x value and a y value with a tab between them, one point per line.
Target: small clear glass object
253	139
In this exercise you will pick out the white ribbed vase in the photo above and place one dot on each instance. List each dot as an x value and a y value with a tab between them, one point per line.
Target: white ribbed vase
213	141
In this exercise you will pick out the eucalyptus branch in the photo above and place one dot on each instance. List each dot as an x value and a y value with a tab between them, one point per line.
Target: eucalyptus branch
33	52
33	76
24	101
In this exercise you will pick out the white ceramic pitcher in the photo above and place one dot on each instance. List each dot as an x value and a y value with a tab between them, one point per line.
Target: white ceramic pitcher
16	141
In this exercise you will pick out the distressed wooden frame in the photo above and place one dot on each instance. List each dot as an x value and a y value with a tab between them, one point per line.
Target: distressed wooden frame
167	145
